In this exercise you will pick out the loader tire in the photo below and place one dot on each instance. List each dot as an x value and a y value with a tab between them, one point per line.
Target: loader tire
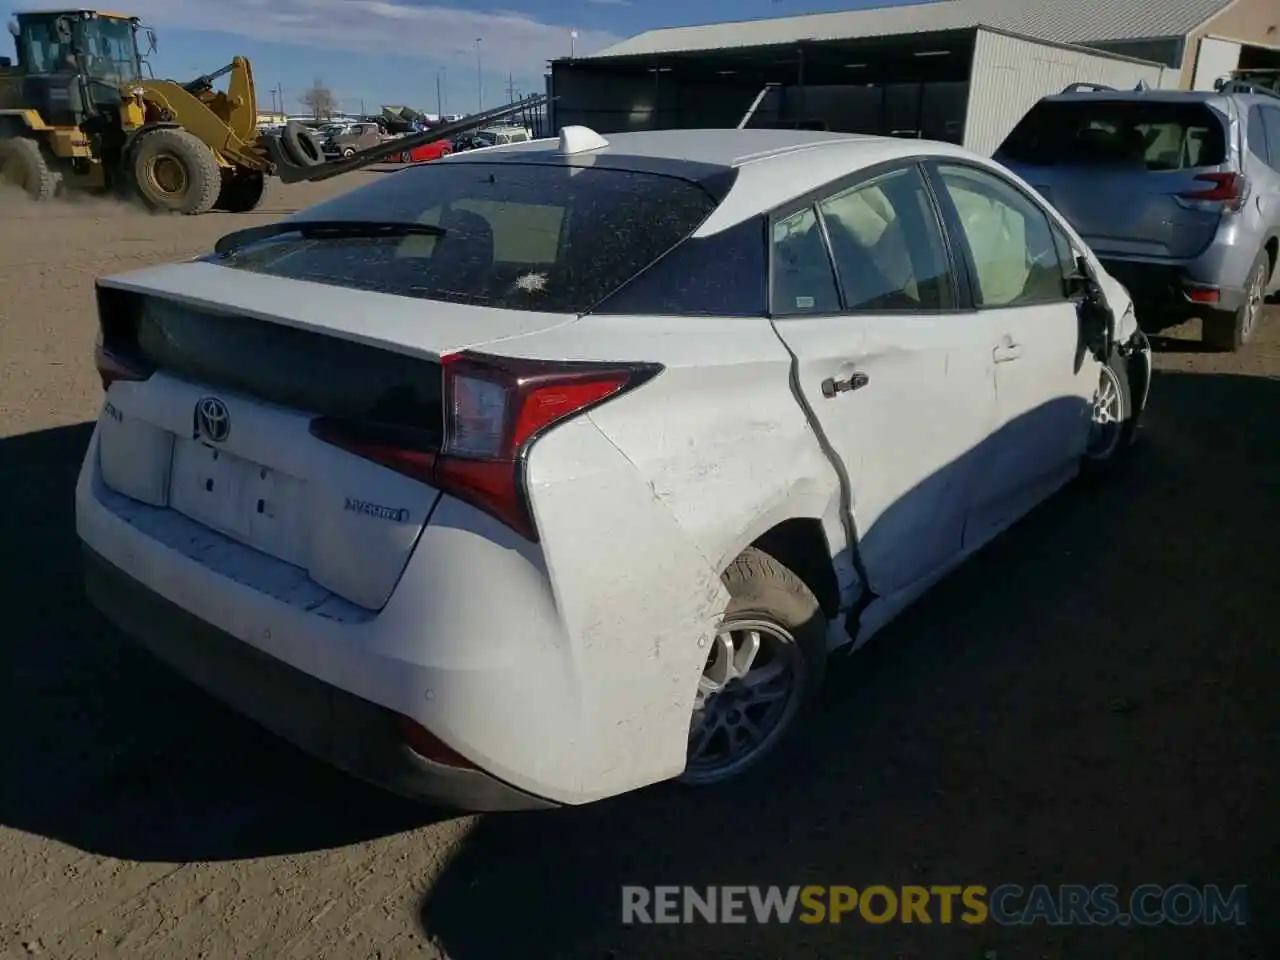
175	171
301	145
242	191
23	165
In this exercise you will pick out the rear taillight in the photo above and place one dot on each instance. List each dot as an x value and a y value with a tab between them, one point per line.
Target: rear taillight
119	313
112	368
1227	189
494	409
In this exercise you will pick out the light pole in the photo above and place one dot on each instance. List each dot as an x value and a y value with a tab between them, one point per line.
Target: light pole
479	79
439	94
573	35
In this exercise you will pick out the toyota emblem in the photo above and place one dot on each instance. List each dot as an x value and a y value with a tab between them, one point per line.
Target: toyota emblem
213	422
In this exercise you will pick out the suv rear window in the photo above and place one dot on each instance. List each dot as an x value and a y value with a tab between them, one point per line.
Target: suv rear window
1159	136
517	236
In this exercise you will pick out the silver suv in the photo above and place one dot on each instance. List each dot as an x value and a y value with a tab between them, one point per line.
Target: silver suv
1178	193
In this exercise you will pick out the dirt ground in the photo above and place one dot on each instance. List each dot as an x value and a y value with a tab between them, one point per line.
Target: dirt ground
1092	700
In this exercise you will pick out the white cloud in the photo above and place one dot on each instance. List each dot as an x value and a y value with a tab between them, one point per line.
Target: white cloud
510	41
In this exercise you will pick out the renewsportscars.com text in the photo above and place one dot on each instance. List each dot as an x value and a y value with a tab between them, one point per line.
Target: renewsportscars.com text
1007	905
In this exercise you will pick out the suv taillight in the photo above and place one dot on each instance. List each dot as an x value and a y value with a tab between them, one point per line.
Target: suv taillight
1228	189
494	410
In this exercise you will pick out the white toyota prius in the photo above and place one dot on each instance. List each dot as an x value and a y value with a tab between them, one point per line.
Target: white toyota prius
544	472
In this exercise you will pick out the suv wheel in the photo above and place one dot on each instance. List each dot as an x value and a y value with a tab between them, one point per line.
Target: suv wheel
762	673
1231	331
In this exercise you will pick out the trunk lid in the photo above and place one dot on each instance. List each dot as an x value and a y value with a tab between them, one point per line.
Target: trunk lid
1117	169
221	431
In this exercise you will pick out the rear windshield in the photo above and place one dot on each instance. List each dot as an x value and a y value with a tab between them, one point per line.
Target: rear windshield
517	236
1158	136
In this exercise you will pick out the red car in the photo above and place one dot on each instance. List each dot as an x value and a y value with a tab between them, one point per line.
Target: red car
421	154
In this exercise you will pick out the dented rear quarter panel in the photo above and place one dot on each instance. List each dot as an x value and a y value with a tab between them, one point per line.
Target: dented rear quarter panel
643	502
718	437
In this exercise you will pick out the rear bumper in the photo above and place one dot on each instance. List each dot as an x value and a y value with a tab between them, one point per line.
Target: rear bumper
338	727
1167	288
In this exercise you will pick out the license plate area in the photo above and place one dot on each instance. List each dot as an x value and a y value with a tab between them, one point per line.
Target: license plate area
246	501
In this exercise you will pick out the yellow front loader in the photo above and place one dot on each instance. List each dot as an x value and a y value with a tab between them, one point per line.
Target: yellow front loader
77	113
80	111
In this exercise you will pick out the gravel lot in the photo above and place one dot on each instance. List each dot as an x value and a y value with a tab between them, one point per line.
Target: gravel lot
1092	700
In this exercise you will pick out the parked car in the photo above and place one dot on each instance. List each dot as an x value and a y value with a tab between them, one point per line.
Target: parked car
357	137
533	476
1177	191
424	152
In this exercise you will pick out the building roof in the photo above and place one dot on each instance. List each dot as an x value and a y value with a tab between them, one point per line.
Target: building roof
1057	21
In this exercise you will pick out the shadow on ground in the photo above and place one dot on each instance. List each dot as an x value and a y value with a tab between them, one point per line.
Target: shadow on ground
102	747
1092	700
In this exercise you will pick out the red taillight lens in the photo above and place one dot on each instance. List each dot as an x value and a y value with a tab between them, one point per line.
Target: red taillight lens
1228	189
111	368
494	409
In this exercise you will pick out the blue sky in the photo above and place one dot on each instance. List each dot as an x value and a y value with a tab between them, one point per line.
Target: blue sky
392	51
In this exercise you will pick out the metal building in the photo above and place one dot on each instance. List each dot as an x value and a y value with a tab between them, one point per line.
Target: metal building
958	70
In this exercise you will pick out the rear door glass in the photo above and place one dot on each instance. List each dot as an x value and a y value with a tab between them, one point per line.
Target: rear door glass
1094	132
516	236
888	246
1271	122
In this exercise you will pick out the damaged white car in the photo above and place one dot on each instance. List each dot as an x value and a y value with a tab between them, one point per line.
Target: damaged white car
542	473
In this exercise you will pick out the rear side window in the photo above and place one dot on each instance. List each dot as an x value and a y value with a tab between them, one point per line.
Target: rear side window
516	236
1271	123
887	245
1257	135
1087	132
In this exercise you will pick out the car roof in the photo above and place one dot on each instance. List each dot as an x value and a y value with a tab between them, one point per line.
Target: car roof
772	166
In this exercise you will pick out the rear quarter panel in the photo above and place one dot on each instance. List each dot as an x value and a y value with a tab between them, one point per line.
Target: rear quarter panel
643	502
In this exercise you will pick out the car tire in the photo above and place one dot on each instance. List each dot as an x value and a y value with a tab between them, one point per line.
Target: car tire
1113	420
23	165
1230	332
301	145
242	190
782	681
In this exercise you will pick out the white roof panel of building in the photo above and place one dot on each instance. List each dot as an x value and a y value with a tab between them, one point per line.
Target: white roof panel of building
1058	21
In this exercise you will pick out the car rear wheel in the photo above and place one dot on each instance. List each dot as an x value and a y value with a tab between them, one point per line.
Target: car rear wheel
762	673
1229	332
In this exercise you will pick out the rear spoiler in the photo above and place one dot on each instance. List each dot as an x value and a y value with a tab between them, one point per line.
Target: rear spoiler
289	170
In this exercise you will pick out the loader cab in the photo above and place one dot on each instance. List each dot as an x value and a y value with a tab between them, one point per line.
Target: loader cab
76	63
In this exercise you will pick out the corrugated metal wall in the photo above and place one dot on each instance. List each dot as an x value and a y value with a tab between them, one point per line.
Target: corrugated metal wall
1011	74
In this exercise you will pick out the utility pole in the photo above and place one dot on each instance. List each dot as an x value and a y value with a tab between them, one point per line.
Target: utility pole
479	79
439	95
511	88
280	91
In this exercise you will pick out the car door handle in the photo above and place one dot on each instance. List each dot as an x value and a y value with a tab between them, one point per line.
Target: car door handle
834	386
